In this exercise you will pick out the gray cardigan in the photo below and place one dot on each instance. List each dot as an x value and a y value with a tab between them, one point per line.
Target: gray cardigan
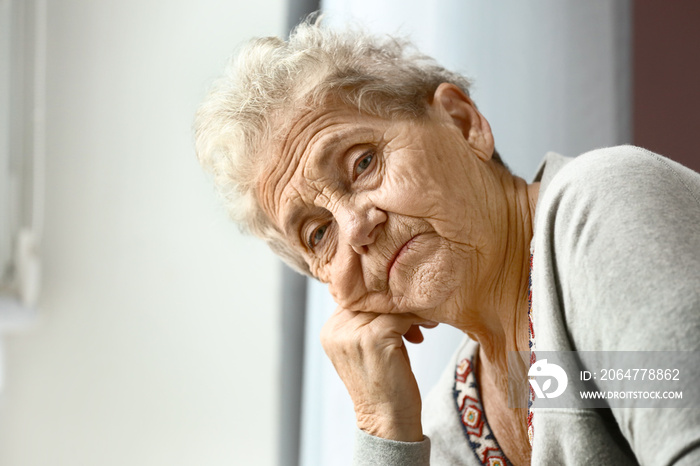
616	267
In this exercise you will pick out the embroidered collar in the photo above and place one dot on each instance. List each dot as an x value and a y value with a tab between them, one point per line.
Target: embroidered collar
472	416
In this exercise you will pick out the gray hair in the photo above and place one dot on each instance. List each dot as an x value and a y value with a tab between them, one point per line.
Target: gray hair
271	78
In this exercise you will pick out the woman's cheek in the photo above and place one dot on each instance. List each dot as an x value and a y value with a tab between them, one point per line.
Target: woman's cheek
319	267
321	274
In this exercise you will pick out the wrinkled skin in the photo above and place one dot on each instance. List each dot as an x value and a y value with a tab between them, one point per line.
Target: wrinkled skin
409	223
423	183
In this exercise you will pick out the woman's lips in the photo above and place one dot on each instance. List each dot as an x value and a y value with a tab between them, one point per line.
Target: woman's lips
401	250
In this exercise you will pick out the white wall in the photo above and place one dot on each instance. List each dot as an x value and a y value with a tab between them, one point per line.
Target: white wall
157	340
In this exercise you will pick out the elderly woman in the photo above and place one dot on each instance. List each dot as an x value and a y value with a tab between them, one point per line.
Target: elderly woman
369	167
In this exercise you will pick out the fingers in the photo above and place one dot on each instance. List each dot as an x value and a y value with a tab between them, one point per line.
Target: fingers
414	334
381	326
429	324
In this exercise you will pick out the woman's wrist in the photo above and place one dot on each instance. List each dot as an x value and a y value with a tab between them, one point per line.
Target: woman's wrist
391	427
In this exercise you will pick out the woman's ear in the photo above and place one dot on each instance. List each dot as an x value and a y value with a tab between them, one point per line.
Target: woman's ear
474	127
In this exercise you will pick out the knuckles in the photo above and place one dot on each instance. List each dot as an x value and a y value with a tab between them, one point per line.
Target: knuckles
341	338
358	331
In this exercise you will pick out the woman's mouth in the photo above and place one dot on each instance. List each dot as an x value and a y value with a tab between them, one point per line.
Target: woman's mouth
398	254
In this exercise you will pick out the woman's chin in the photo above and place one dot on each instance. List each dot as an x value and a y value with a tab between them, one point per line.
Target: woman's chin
420	286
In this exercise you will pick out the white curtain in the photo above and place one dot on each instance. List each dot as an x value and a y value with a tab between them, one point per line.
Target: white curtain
549	75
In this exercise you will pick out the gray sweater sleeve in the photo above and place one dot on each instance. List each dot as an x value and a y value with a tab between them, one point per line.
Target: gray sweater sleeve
375	451
617	268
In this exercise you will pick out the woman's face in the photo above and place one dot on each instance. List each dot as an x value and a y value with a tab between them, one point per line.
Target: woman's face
390	213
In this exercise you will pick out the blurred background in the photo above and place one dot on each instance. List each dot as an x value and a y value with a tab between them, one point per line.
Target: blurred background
137	325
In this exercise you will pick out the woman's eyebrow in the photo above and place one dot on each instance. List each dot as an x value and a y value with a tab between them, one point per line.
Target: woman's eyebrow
293	219
322	155
339	141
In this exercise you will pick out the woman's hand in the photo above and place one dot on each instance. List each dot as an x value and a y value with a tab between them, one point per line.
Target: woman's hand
369	354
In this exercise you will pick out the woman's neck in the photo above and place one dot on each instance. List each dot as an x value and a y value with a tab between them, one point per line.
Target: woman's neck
498	318
505	325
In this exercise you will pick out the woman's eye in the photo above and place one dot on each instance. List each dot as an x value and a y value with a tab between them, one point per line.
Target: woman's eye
363	163
317	235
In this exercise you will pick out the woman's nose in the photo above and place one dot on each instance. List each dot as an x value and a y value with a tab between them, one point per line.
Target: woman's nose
360	225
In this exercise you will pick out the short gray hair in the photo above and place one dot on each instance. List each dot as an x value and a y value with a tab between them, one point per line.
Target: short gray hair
378	75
